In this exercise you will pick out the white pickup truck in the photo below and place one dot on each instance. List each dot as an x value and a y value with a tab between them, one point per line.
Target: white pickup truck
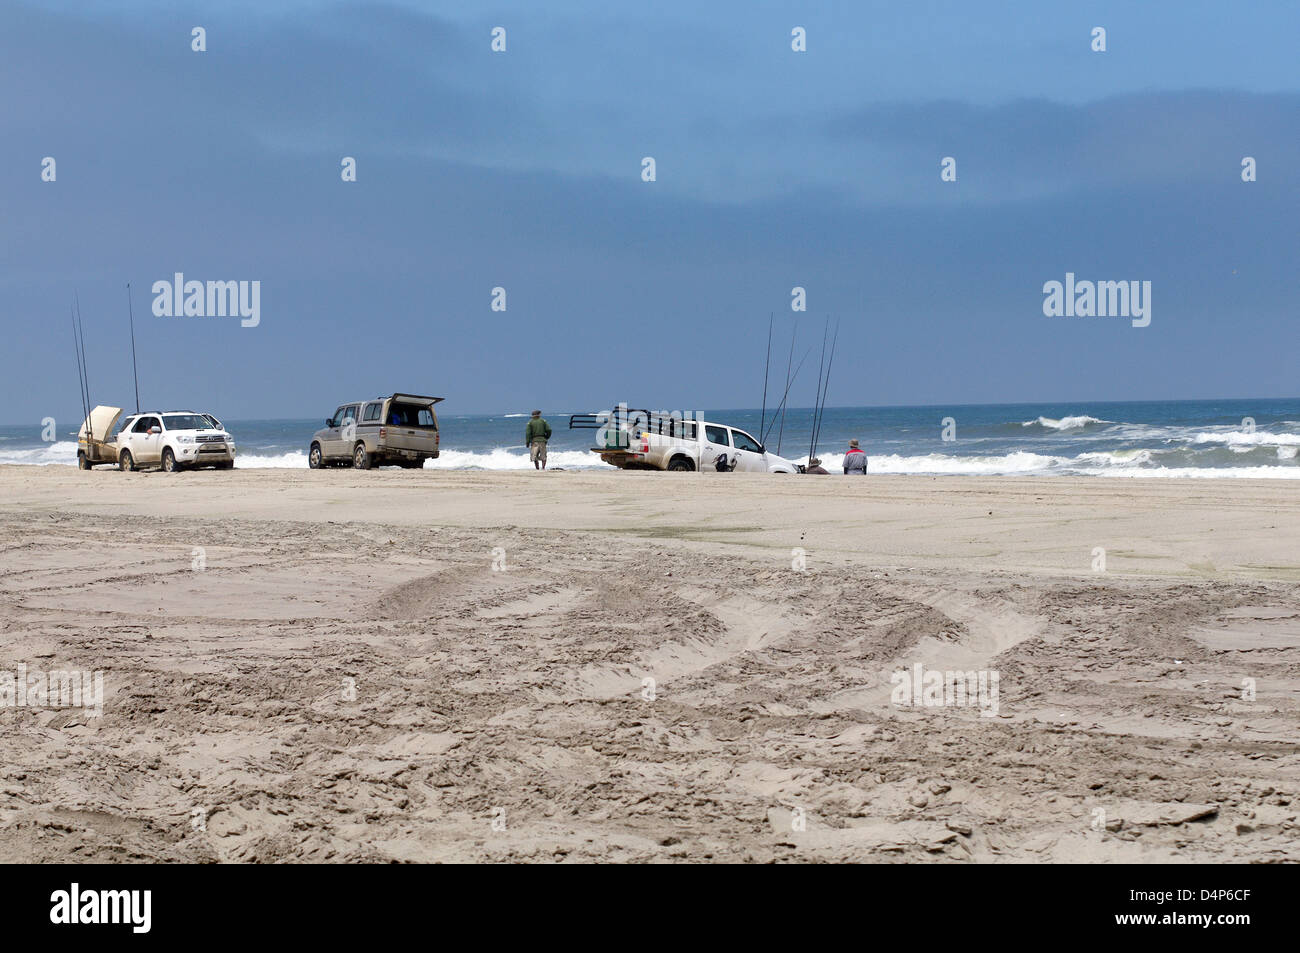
645	440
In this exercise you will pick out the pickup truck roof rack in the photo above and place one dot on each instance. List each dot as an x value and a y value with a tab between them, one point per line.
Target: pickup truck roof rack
628	418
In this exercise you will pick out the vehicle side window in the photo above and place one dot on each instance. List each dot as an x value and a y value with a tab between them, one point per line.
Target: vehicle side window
744	441
337	419
142	425
716	435
372	411
353	412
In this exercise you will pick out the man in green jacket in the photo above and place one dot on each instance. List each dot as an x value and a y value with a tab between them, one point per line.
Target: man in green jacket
536	434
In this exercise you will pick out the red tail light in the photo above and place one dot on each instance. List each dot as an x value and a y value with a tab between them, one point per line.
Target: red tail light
383	432
645	443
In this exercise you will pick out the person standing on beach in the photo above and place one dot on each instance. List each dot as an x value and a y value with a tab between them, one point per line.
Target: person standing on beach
536	434
855	461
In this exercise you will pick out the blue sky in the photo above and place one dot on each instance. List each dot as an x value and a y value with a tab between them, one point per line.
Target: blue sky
522	170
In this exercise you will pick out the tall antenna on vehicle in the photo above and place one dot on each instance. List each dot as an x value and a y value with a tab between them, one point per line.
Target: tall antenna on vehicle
134	373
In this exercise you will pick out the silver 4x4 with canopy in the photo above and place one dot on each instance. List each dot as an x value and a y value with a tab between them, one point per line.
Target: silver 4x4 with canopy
400	430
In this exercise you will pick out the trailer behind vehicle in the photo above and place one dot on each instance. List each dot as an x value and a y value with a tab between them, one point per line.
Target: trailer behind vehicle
95	444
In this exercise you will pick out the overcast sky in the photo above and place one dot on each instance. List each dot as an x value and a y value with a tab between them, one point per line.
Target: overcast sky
523	169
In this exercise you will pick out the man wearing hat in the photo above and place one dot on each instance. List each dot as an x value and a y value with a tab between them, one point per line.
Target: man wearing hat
855	461
815	466
536	434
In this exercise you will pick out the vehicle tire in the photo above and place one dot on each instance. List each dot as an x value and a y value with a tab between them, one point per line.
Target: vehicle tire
360	459
169	461
124	461
83	463
314	459
680	465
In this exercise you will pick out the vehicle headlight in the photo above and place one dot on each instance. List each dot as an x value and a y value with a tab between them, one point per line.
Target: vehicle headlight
185	439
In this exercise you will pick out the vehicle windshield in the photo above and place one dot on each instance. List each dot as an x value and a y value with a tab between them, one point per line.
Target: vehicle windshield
186	422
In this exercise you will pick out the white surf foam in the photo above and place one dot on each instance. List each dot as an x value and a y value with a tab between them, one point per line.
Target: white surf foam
1020	461
1112	463
497	459
500	458
1116	458
1203	473
1242	438
254	461
1065	423
62	451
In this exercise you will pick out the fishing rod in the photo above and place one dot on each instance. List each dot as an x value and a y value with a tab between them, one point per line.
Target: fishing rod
821	412
85	370
781	406
79	343
781	433
817	398
81	386
134	372
762	420
81	336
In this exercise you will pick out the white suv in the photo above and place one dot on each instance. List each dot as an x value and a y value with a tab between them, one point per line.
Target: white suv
174	440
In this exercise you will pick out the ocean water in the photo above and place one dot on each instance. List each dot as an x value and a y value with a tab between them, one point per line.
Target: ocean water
1213	439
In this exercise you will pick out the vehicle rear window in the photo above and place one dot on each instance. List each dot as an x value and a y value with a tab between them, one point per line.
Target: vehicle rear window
411	415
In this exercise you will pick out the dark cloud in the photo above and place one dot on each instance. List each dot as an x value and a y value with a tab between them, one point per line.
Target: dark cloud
472	174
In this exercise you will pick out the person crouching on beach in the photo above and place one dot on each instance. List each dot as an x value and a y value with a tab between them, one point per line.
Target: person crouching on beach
855	461
536	434
815	466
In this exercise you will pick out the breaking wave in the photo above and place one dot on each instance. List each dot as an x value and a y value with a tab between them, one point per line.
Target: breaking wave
1065	423
63	451
1255	438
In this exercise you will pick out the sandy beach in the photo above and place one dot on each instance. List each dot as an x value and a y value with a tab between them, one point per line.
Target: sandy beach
568	666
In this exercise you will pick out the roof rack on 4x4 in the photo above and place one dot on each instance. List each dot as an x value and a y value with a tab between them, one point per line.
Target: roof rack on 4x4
629	418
